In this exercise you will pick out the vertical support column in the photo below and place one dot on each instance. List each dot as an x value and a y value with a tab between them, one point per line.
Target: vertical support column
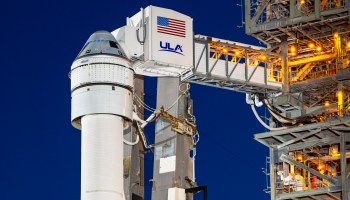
340	96
317	9
207	55
265	73
172	162
292	8
247	20
272	174
133	158
246	65
343	166
284	47
226	65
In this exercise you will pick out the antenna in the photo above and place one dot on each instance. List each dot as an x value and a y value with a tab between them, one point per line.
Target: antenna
242	19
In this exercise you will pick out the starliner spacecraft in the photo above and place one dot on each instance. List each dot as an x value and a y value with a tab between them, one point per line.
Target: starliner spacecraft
102	92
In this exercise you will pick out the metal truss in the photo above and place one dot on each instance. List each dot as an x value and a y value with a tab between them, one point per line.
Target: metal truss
233	66
297	19
317	33
310	148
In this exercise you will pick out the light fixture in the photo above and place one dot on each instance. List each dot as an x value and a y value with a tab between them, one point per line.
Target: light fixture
292	48
224	50
335	151
339	93
319	48
336	35
311	45
326	103
300	157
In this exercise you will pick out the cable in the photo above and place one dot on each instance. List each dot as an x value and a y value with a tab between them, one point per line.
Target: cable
132	143
189	109
155	118
149	108
195	142
262	122
144	29
227	150
182	93
144	35
139	100
273	110
143	137
145	106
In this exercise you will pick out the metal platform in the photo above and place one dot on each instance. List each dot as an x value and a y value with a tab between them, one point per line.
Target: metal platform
307	149
233	66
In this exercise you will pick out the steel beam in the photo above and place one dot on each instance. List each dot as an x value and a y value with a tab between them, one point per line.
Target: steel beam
343	166
291	161
233	69
345	129
172	161
306	144
333	196
311	59
299	138
322	125
133	158
309	36
251	75
284	47
259	10
292	35
295	195
272	174
200	57
254	28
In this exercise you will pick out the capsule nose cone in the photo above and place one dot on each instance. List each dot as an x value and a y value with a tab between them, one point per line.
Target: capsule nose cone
101	42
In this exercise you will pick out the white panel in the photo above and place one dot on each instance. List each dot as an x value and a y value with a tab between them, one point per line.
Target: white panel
198	51
102	158
183	57
101	99
127	38
101	69
176	194
158	62
167	164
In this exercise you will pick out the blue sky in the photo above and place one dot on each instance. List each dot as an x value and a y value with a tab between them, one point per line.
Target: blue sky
40	150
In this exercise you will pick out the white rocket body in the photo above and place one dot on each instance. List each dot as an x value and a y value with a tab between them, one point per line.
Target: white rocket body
102	91
102	157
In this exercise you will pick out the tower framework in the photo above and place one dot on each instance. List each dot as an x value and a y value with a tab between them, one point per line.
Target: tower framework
309	146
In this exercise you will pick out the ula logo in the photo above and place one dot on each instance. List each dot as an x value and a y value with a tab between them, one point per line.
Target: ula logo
167	47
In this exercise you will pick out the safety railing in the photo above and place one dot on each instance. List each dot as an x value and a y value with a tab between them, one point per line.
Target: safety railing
300	185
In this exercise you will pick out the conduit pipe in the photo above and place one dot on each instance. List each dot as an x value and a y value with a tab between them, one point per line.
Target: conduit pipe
262	122
257	102
280	119
248	100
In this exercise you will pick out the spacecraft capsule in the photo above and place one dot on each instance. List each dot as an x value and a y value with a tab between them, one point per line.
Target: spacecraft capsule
102	97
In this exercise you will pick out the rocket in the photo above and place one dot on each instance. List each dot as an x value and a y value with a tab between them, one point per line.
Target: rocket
101	98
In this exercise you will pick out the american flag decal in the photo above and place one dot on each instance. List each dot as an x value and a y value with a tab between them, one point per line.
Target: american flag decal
171	26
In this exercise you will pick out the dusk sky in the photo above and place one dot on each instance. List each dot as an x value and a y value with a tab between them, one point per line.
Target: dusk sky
40	150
